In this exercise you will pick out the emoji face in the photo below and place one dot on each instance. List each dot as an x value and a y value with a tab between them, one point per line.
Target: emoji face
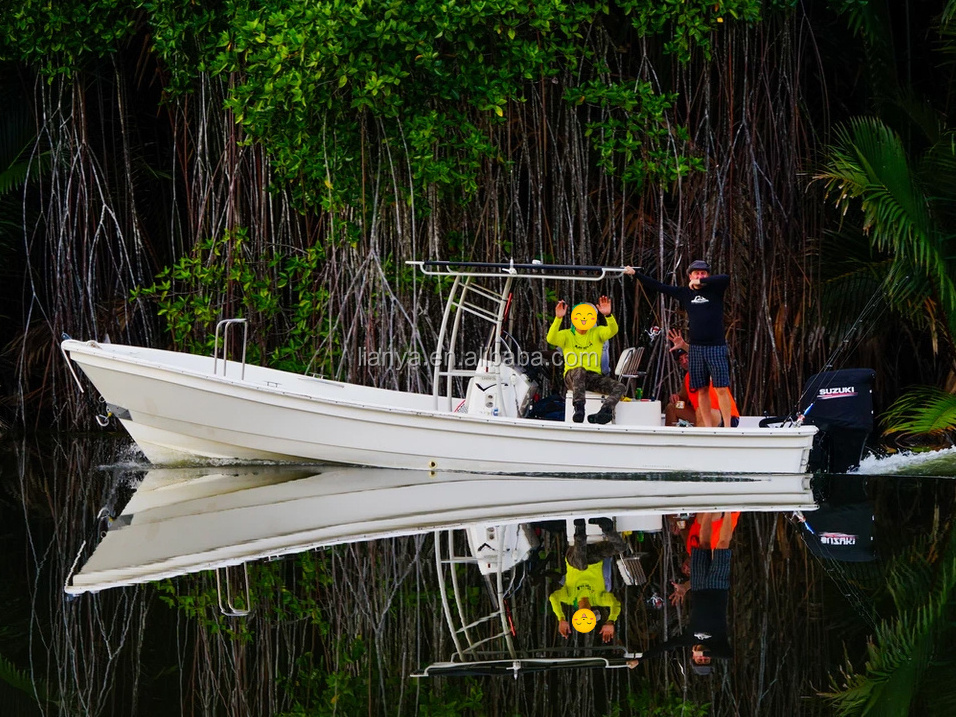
583	620
583	317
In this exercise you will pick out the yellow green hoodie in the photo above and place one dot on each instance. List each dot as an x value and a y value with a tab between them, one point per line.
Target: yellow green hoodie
584	584
581	350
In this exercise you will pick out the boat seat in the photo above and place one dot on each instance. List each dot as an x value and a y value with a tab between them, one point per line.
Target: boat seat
628	368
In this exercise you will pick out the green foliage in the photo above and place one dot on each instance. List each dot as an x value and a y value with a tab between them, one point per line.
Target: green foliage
221	278
925	411
429	80
461	697
689	23
61	37
425	79
635	141
325	85
322	692
910	660
21	681
281	592
198	601
185	38
339	676
655	703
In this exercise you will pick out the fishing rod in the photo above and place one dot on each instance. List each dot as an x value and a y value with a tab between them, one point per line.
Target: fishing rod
843	346
836	357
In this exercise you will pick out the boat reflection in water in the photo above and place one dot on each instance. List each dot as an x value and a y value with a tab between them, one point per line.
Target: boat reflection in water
182	521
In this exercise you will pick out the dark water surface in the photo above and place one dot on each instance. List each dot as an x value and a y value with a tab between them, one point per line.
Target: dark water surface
341	630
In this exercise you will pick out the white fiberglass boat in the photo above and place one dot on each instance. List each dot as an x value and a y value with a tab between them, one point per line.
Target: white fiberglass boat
181	407
181	521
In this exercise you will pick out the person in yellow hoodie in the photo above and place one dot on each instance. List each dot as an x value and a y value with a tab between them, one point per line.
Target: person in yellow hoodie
584	588
583	347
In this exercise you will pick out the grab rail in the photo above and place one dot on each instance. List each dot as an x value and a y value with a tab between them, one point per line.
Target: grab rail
226	606
228	323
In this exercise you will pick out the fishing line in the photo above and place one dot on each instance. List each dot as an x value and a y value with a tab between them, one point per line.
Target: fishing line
858	600
836	357
654	332
874	300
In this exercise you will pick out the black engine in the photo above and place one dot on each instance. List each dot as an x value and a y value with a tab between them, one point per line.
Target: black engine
840	404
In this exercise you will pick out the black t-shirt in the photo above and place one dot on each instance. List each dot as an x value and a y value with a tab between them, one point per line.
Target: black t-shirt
704	307
708	626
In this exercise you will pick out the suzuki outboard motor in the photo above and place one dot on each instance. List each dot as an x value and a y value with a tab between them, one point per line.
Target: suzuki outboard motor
840	404
842	527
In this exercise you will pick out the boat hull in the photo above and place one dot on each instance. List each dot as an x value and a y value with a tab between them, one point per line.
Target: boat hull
178	523
177	410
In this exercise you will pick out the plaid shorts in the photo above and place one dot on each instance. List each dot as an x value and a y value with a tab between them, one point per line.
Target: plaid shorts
710	572
708	363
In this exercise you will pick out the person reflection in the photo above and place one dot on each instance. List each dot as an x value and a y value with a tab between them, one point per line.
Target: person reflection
584	587
709	586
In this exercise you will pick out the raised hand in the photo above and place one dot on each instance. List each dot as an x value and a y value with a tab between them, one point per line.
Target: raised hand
607	632
561	310
564	629
680	590
677	340
604	305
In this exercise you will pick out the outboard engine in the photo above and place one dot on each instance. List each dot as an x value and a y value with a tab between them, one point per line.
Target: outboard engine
842	527
840	404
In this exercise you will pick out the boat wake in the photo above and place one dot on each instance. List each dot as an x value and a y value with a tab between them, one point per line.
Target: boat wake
941	463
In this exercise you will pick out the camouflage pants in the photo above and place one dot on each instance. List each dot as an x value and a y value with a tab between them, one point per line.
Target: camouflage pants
579	380
582	553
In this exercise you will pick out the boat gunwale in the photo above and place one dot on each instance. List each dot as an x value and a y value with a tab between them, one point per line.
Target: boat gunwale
94	350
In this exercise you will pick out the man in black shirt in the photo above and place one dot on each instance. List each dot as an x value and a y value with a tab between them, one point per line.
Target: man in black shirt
706	633
703	300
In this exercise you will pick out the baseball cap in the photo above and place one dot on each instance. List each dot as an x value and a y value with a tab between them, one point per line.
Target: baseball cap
677	353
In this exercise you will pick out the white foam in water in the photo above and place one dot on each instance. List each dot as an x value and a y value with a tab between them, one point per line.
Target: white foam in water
941	462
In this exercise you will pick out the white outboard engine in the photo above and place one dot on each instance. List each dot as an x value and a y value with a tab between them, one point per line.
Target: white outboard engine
840	404
502	390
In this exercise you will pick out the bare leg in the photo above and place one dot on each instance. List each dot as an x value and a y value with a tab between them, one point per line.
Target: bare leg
723	398
705	529
704	408
672	413
726	531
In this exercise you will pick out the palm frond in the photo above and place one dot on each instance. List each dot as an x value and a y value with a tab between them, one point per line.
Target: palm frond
13	176
16	678
845	295
921	411
868	163
906	650
909	578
